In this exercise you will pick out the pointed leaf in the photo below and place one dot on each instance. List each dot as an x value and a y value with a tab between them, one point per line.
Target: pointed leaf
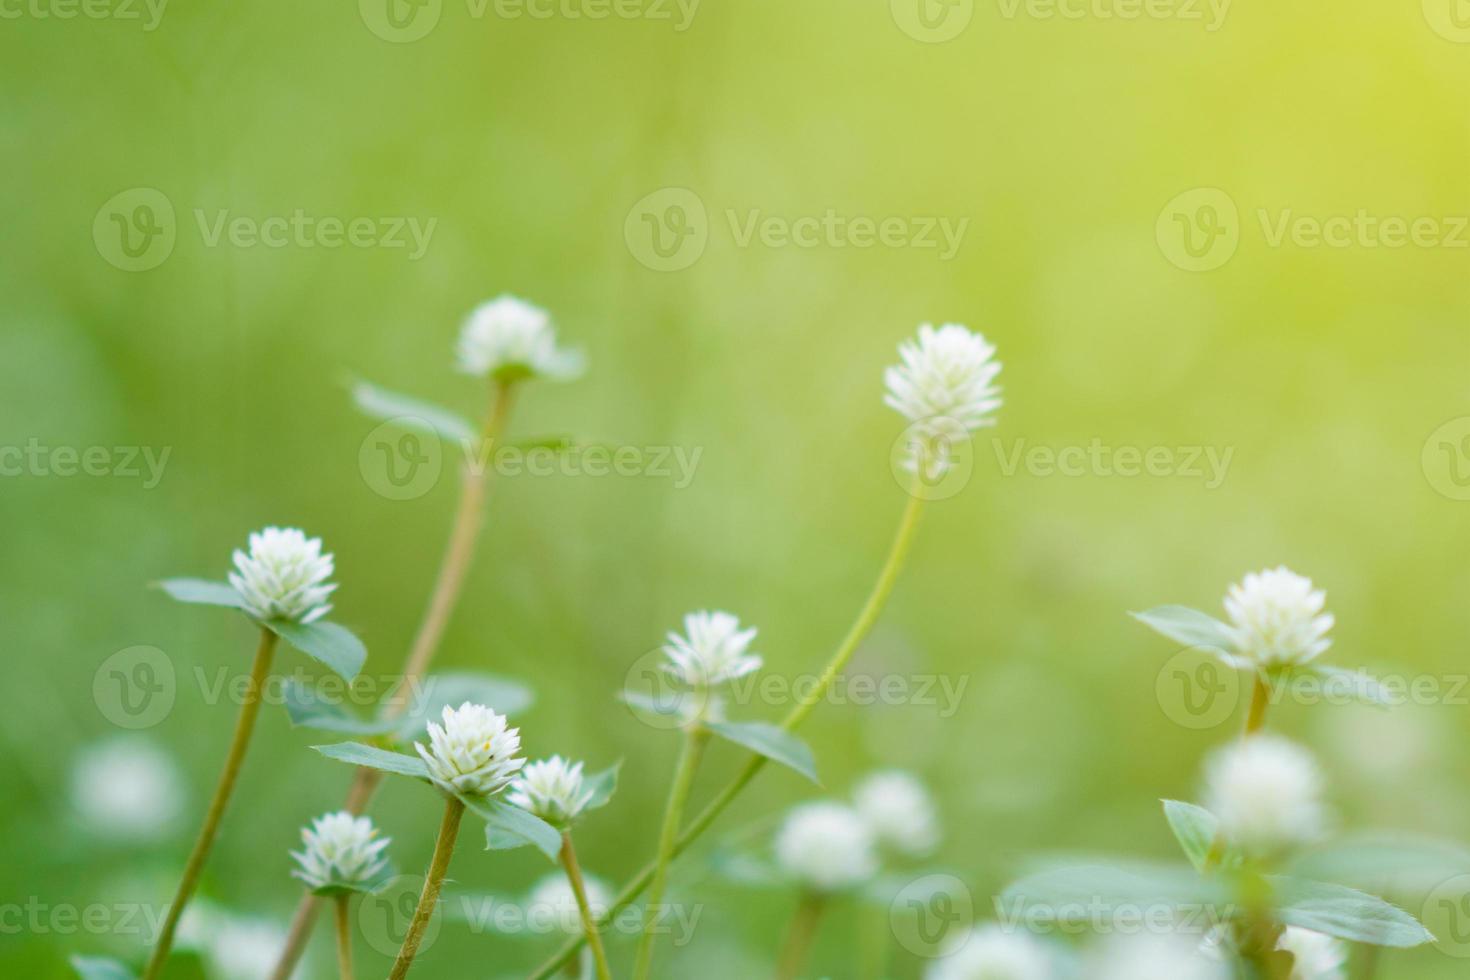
602	784
369	887
357	754
1195	828
1337	684
410	413
1385	863
771	741
100	968
202	592
1191	628
429	699
1346	913
331	645
307	709
508	827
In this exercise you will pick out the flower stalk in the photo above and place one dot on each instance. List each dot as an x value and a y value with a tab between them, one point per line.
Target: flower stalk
589	922
429	897
234	759
802	933
344	936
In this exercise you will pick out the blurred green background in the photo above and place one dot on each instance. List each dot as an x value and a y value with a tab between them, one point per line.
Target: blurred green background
1328	372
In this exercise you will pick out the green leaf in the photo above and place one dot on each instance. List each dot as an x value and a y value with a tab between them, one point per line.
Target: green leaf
307	709
1337	683
1195	828
1191	628
1346	913
1394	863
771	741
429	699
508	827
357	754
369	887
410	413
1075	894
202	593
100	968
602	784
332	645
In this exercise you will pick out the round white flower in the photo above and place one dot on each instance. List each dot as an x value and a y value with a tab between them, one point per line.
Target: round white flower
1266	792
826	846
1276	618
1148	955
284	576
551	789
127	788
508	339
474	752
993	953
900	812
552	905
944	386
1318	957
340	850
244	949
711	651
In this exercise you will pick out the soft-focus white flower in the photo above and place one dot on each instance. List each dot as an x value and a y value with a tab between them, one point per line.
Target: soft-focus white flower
826	846
1318	957
474	752
127	788
993	953
900	812
1276	618
711	651
284	576
1146	956
1266	792
340	850
945	387
552	789
508	338
553	905
245	949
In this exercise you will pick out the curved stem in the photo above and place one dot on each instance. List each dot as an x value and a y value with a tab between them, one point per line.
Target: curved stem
429	897
344	938
579	889
692	751
867	616
799	939
244	727
458	553
1255	720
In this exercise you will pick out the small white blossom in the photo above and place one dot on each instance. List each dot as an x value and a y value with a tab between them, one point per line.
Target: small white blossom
1276	618
711	651
553	905
1266	793
245	949
826	846
284	576
552	789
900	812
127	788
993	953
1148	955
508	338
474	752
1318	957
945	386
340	850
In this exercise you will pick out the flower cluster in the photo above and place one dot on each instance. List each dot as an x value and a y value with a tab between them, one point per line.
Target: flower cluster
473	752
283	576
1276	619
509	339
899	811
341	850
827	847
553	790
993	952
945	386
711	651
1266	792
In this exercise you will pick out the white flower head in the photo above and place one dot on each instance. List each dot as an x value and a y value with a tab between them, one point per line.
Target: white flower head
552	789
993	953
244	948
474	752
1276	618
341	849
711	651
284	576
553	905
826	846
1318	957
509	339
1267	794
900	812
127	788
1147	955
945	387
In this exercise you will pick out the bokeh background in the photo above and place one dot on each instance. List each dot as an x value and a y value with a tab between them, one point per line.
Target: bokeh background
1328	374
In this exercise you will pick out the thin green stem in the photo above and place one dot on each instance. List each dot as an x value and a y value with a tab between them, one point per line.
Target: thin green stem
344	937
690	754
429	897
1255	719
589	921
800	936
459	551
234	759
867	616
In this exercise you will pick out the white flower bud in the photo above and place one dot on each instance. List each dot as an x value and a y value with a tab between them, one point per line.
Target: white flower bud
509	339
552	789
127	788
1276	618
826	847
1318	957
993	953
944	386
900	812
1147	955
474	752
1266	793
711	651
284	576
341	849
